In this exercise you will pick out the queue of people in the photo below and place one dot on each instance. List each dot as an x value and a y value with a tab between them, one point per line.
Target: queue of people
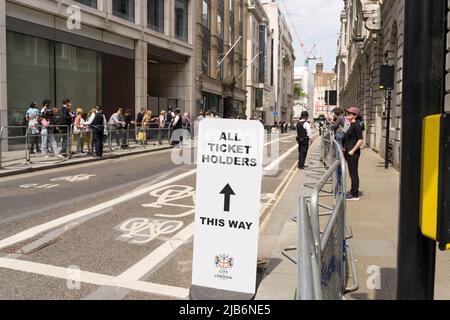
50	126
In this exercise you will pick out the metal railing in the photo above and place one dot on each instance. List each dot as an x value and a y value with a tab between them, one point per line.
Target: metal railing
323	256
16	142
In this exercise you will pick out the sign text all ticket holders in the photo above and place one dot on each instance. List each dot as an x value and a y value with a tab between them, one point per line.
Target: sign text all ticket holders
228	200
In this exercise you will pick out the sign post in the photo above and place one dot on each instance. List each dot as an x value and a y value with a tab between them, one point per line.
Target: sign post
228	200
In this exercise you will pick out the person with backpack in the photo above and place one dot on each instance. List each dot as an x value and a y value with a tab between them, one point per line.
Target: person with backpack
47	132
303	138
97	123
353	140
337	124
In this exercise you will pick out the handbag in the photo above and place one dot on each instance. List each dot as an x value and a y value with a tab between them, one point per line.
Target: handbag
141	137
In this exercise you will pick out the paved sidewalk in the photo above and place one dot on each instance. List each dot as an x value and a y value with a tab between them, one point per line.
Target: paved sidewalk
374	224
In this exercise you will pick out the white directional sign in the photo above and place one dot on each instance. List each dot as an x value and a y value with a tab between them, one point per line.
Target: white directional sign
228	200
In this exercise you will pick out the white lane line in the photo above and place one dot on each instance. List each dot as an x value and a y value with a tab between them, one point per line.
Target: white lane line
140	269
69	218
92	278
271	169
26	234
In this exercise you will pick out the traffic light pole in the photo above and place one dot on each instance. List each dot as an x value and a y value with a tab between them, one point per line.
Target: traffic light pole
423	94
388	128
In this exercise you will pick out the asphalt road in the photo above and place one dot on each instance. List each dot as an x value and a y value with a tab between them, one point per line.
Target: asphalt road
116	229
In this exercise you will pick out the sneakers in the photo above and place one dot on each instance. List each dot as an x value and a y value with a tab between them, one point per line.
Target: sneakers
350	197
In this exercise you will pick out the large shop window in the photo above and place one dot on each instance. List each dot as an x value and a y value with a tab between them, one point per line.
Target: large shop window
40	69
156	15
181	19
124	9
30	72
210	102
78	75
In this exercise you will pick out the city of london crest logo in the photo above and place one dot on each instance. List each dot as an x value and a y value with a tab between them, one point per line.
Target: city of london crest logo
223	261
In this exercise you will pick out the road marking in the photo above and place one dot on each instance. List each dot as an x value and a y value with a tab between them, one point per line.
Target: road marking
93	278
143	230
128	279
140	269
77	178
269	169
283	187
79	214
37	186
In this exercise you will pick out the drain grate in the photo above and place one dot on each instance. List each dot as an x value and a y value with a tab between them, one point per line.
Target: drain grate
30	245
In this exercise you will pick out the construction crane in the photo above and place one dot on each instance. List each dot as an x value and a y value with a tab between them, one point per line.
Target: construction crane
310	56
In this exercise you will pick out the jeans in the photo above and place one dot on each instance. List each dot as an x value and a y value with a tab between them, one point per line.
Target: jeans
339	138
352	162
80	142
64	141
47	139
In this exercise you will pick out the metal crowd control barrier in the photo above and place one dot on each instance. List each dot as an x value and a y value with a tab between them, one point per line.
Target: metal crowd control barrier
324	257
50	142
17	143
135	137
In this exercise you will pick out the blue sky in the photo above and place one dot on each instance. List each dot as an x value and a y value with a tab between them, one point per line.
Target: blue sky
316	22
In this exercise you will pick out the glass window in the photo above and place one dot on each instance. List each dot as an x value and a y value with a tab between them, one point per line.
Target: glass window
90	3
124	9
219	26
181	19
230	68
83	65
262	53
205	14
156	15
205	60
240	13
30	74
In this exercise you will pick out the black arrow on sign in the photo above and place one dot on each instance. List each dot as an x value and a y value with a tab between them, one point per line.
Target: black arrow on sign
228	192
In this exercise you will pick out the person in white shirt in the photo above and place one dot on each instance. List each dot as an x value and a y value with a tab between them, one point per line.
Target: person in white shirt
98	123
303	138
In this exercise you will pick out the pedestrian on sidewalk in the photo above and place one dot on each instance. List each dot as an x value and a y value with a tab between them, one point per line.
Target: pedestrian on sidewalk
65	124
47	133
32	117
161	125
303	138
353	140
78	131
128	118
117	125
97	122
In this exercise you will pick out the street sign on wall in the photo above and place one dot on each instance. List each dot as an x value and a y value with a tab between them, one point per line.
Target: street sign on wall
229	175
